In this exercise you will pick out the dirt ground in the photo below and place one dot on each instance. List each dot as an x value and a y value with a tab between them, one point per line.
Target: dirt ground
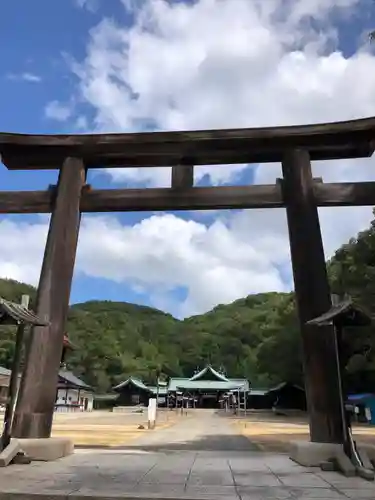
273	433
104	428
265	430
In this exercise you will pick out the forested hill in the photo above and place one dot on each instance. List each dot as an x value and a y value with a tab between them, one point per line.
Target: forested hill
256	337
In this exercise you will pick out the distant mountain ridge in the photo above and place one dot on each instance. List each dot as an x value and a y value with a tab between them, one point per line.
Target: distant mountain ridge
117	339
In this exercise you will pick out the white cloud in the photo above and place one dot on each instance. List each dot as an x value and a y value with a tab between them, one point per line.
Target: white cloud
229	258
214	64
159	254
55	110
15	262
81	123
171	70
90	5
31	77
26	77
165	251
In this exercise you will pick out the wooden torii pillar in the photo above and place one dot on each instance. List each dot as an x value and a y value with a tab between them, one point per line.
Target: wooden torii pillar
313	298
35	406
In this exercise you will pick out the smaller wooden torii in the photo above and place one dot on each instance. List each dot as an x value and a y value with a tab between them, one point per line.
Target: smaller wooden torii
14	314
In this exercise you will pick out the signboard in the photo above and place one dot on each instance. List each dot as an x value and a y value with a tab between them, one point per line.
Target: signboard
368	414
151	411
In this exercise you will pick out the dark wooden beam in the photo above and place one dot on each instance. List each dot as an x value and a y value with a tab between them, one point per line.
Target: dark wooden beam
182	177
161	199
313	299
198	198
35	406
345	194
349	139
153	199
26	202
214	157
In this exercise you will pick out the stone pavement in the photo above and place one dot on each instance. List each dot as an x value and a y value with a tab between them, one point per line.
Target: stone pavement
176	475
175	463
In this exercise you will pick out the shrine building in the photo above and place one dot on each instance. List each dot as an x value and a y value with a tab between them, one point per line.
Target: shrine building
206	388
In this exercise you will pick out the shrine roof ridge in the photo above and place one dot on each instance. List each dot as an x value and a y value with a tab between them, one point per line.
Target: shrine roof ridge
334	140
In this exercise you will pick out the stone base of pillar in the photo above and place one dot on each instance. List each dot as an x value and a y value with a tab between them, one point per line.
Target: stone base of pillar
46	449
311	454
8	454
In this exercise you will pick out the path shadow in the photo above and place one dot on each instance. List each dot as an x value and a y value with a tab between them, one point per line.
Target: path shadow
213	442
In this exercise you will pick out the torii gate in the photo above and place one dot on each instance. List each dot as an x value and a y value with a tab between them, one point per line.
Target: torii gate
298	192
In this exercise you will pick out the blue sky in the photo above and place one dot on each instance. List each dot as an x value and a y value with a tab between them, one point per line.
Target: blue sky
41	91
35	71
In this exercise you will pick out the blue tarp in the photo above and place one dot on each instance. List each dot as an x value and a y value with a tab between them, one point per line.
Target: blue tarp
368	400
359	397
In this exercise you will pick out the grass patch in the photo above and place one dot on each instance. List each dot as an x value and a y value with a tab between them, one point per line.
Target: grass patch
92	430
276	436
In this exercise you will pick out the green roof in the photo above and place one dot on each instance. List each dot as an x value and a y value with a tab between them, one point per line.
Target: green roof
5	371
258	392
206	379
12	313
163	390
69	379
285	384
214	385
105	397
216	382
132	381
278	387
209	370
176	384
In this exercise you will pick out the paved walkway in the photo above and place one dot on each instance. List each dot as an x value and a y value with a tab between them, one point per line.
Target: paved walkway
200	430
170	464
